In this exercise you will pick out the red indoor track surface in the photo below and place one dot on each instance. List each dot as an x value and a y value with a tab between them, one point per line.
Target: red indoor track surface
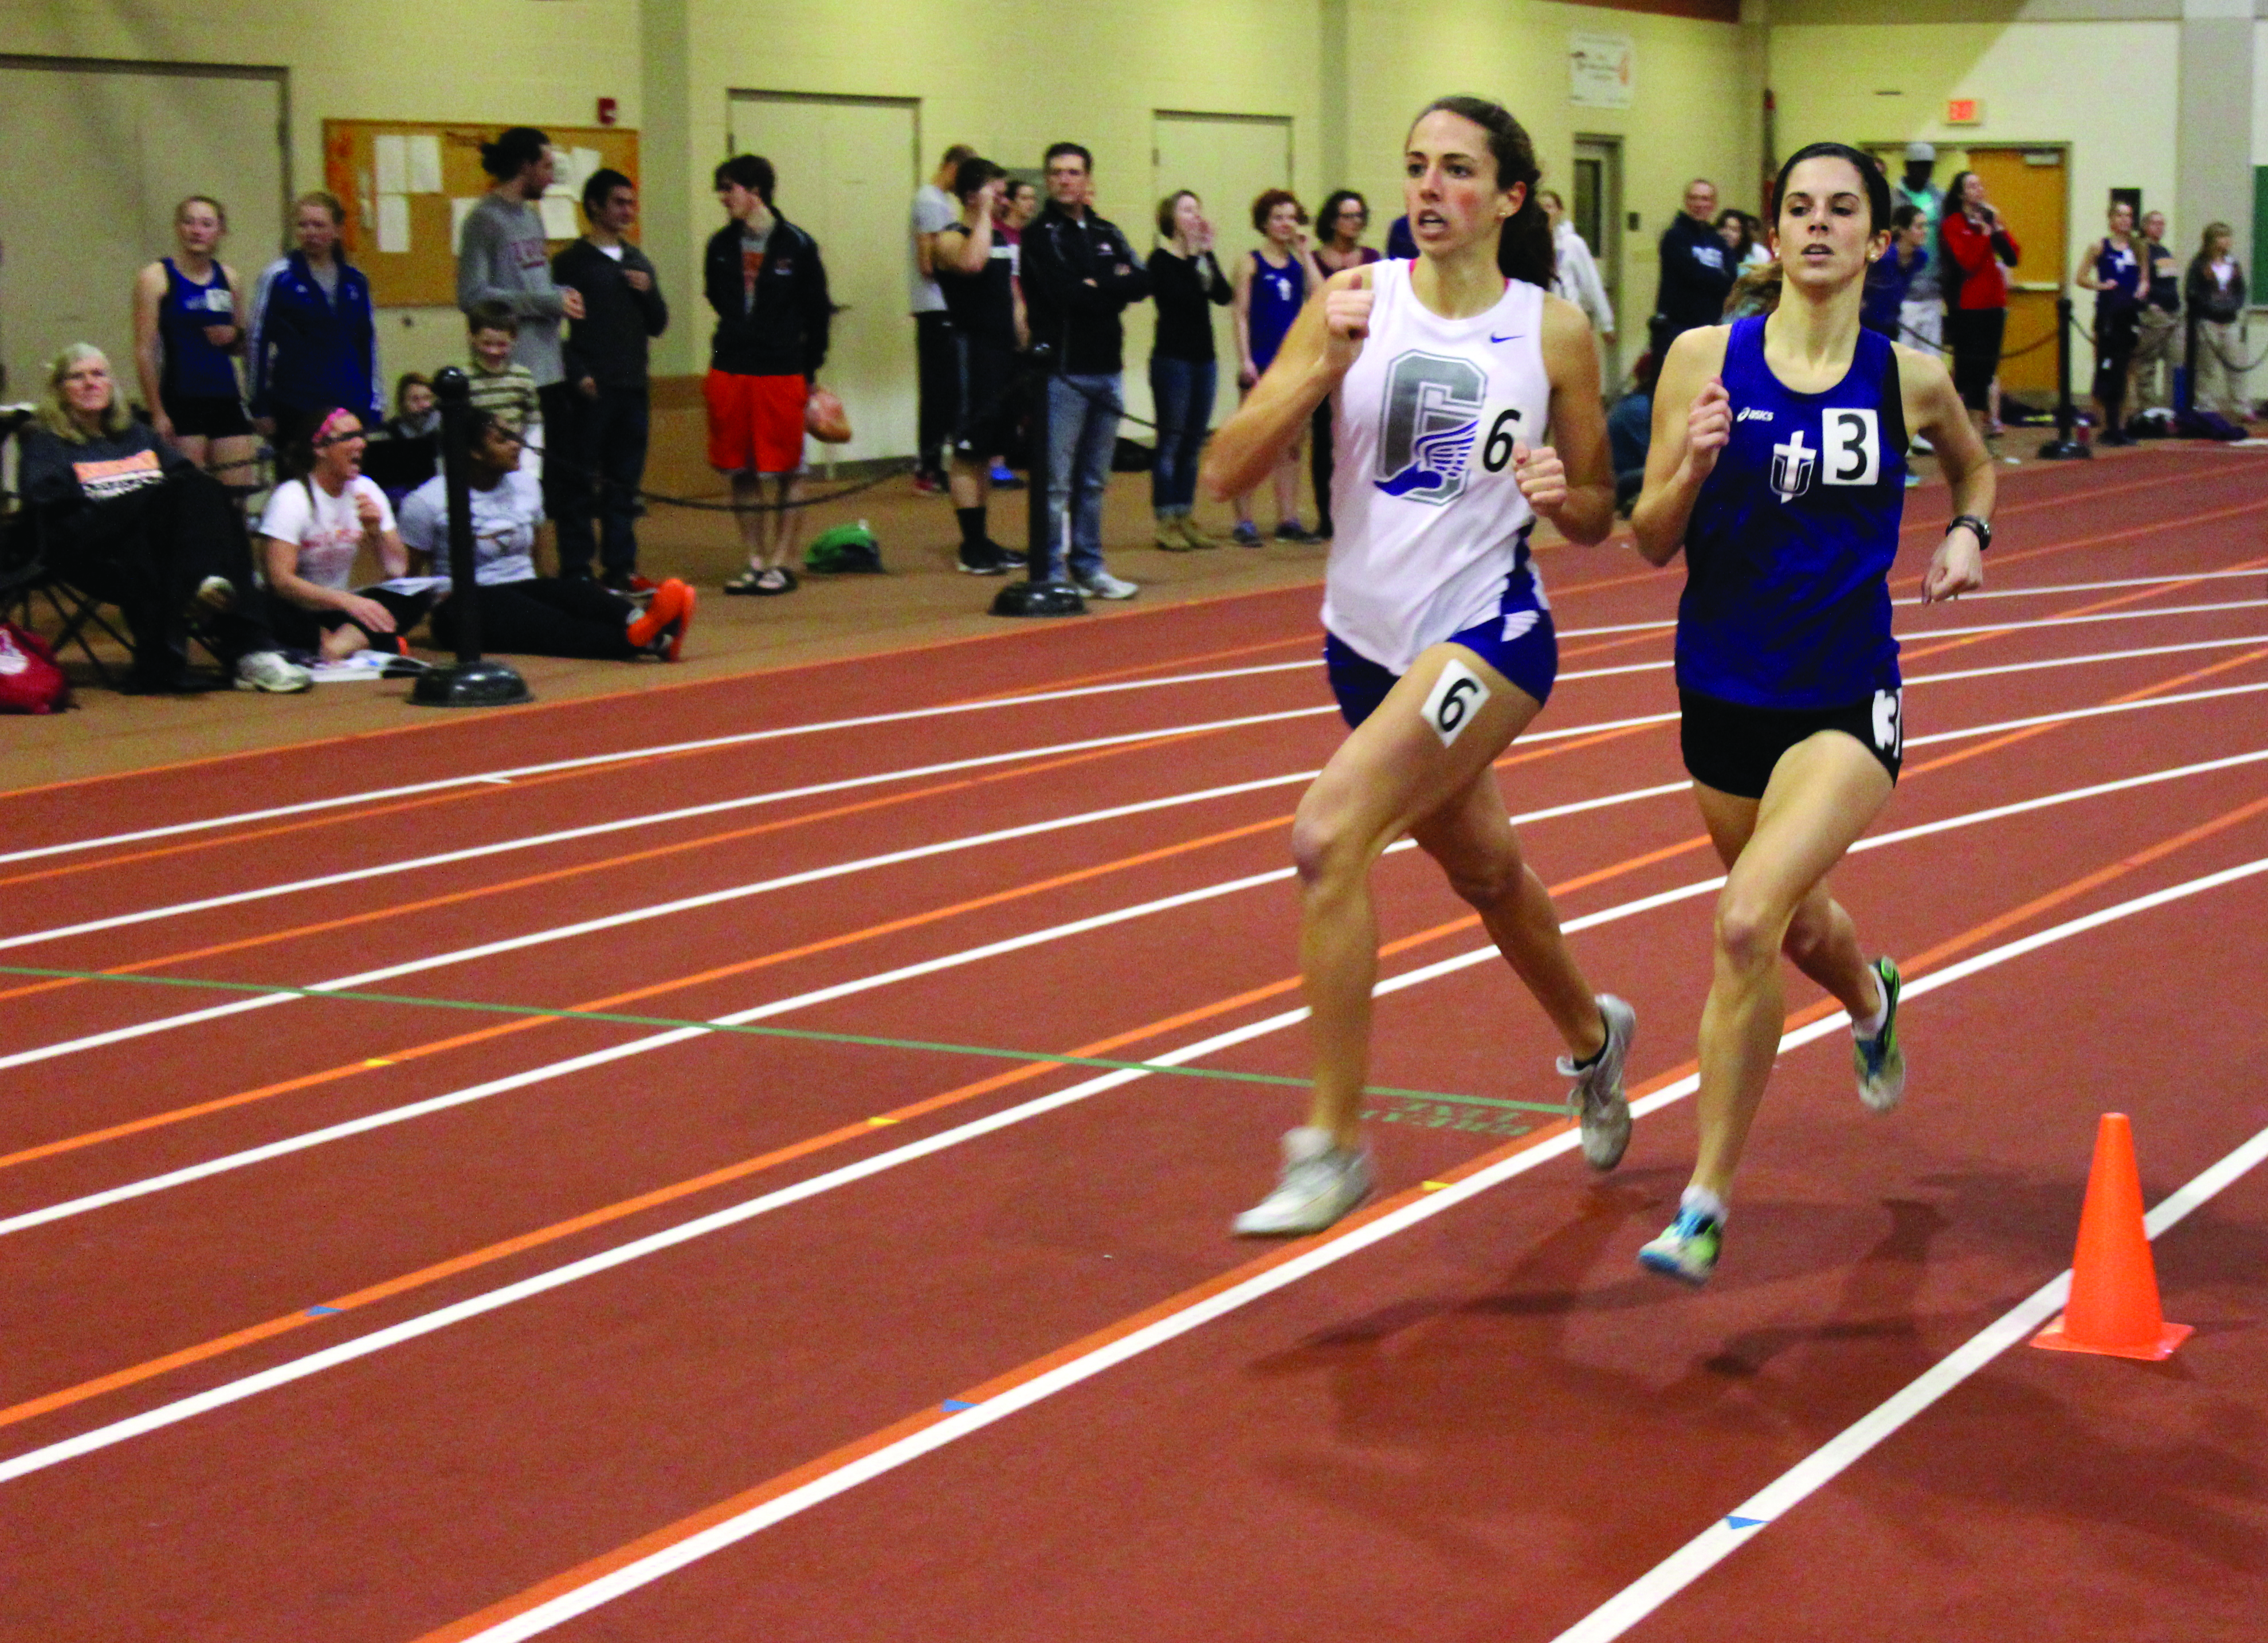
385	1319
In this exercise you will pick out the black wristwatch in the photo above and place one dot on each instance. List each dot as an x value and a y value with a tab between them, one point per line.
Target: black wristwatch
1984	531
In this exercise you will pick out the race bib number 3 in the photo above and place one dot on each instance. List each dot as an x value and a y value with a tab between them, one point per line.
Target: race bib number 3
1456	697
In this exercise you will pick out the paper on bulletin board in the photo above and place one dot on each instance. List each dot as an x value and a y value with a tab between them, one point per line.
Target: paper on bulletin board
558	217
459	209
424	163
587	160
1602	68
393	156
394	223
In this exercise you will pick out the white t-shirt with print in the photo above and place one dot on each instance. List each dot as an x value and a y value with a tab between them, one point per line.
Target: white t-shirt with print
326	529
504	528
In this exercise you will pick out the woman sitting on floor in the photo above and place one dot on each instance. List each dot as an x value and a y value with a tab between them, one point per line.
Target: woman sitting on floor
126	518
520	612
315	528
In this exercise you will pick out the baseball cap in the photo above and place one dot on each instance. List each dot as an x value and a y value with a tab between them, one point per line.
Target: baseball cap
1920	151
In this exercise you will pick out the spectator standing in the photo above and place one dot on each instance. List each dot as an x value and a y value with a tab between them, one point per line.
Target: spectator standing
316	527
406	452
1020	204
2111	267
2158	342
606	358
500	383
1339	229
976	269
1080	274
935	366
521	612
1186	284
1922	317
1887	276
1272	288
1401	244
1574	271
1973	275
1697	270
130	520
764	280
312	337
2214	290
187	333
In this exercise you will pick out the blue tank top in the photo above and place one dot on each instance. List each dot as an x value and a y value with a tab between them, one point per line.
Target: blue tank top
191	367
2121	274
1788	556
1277	294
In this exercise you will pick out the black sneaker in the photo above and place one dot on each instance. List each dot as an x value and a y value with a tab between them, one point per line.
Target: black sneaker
1292	531
987	560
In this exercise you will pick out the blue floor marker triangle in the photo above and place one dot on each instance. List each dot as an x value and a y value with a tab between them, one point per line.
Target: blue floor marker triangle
322	1312
954	1406
1744	1522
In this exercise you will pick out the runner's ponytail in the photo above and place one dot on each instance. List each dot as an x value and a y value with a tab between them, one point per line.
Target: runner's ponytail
1523	244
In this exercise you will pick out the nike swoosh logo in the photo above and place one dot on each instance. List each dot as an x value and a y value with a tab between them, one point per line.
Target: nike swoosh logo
1514	337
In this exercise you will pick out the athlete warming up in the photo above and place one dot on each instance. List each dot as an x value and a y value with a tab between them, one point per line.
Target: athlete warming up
1778	465
1438	642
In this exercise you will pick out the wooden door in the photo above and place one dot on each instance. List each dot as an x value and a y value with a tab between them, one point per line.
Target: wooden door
2030	188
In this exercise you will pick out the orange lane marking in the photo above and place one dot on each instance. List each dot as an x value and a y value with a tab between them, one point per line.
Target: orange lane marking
559	874
1009	693
2134	597
683	1528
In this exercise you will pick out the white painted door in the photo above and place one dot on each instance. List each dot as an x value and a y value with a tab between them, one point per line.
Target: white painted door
115	150
847	175
1228	160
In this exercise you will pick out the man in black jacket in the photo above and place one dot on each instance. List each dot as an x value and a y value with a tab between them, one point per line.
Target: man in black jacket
605	360
1697	270
1078	275
762	276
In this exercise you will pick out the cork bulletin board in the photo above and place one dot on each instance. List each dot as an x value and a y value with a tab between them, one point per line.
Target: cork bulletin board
407	184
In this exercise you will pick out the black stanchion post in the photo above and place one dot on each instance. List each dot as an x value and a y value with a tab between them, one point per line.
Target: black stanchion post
472	682
2185	373
2064	448
1040	594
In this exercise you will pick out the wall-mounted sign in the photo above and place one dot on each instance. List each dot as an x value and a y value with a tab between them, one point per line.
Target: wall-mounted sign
1963	111
1600	68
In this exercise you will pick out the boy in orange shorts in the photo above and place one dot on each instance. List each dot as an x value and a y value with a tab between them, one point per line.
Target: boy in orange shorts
763	276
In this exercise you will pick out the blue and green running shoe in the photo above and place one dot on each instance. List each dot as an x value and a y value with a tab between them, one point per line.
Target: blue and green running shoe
1687	1249
1880	1063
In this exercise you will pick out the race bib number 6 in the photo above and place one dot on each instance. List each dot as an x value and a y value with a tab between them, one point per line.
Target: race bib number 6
1456	697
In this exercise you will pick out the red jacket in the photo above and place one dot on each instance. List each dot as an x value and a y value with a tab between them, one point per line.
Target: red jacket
1978	253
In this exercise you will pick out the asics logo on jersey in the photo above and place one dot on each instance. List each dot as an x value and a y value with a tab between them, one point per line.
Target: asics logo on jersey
1749	413
1430	415
1792	466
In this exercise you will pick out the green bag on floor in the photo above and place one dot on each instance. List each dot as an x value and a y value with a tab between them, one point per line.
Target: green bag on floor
846	549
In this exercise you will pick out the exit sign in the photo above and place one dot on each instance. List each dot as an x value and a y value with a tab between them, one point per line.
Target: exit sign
1963	111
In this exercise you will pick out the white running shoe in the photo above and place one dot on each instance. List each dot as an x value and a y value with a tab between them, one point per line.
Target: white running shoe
268	671
1103	585
1596	1102
1320	1184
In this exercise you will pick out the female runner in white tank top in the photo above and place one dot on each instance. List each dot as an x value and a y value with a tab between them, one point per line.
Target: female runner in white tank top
1446	372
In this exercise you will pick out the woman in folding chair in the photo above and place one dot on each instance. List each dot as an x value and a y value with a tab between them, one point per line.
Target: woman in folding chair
123	516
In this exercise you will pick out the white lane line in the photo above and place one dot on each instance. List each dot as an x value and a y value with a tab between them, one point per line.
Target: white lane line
2093	587
953	1427
1908	637
660	818
1738	1527
392	1116
2069	714
744	738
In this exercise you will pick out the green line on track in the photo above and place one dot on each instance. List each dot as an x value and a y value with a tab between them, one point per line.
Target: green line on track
803	1034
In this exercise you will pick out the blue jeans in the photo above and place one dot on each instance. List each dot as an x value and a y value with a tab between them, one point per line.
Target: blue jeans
1184	390
1083	416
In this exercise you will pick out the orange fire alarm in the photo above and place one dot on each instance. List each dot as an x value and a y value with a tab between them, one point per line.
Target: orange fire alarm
1963	111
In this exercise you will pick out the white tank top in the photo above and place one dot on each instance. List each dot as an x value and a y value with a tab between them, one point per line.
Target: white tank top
1430	523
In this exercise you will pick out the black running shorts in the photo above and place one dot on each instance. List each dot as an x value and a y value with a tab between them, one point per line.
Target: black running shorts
1733	749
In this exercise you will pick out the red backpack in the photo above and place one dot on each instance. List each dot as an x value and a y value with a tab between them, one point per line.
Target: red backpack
30	682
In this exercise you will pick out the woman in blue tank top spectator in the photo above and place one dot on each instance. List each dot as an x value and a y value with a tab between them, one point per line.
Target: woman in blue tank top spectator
1778	464
2111	267
1271	286
188	331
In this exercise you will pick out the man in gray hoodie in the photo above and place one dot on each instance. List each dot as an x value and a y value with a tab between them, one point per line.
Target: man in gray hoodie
502	257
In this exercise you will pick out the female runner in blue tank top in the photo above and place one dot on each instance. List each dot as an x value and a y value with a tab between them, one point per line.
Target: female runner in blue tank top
1268	293
188	327
1778	465
1446	372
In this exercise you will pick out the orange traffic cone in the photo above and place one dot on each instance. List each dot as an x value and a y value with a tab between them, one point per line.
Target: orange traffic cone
2114	1285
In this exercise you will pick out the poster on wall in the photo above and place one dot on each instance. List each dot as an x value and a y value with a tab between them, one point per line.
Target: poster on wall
1600	69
